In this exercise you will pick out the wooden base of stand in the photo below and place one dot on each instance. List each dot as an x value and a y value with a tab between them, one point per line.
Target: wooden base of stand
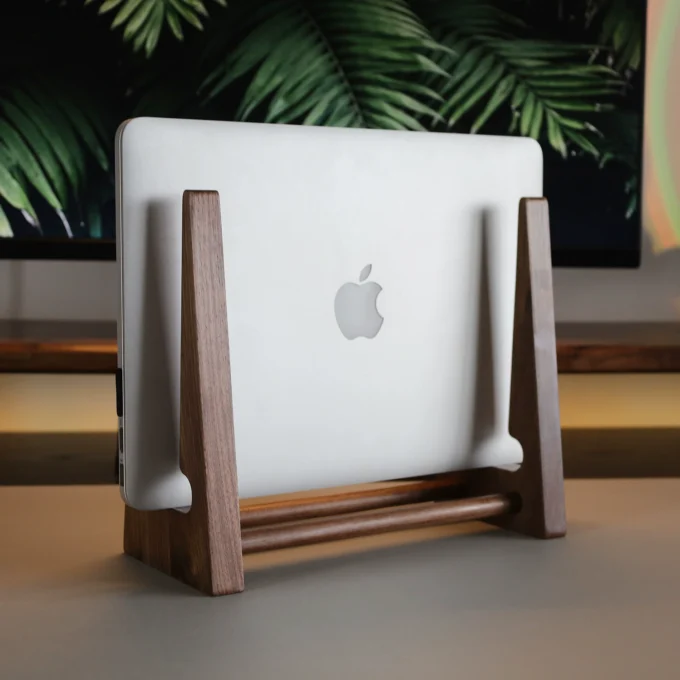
204	547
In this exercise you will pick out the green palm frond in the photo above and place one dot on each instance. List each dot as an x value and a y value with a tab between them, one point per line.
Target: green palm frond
347	63
622	22
144	19
46	138
5	226
548	86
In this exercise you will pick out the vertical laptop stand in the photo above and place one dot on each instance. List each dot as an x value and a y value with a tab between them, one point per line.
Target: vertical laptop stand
204	547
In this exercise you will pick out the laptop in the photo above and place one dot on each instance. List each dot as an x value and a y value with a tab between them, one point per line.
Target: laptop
370	280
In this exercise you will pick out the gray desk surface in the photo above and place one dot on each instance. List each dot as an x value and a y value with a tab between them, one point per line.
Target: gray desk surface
469	603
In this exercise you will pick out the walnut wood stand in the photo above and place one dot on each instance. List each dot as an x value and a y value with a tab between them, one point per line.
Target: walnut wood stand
204	547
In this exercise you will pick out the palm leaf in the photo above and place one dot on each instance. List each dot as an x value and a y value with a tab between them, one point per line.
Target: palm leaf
10	189
493	67
5	226
45	141
331	62
144	19
621	28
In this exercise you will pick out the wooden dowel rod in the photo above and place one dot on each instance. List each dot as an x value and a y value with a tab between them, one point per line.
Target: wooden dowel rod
379	521
265	514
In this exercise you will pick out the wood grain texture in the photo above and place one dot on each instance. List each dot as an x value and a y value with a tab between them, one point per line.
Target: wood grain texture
327	505
376	521
534	400
202	547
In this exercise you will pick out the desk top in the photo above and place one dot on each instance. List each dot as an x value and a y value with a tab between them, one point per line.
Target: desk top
473	601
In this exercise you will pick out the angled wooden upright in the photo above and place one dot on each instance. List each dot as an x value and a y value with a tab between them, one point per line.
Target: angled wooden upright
201	547
534	400
204	547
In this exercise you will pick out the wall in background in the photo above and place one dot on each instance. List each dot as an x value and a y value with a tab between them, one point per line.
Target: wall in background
649	294
58	290
87	290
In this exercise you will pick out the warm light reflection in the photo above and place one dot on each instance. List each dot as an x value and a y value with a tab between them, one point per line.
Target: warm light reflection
662	133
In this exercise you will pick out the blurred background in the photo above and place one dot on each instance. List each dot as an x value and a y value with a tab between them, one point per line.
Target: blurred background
569	73
269	61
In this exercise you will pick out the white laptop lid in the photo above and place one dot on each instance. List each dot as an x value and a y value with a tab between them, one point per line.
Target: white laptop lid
304	212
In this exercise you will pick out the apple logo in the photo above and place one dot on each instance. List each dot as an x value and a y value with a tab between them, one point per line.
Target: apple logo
355	307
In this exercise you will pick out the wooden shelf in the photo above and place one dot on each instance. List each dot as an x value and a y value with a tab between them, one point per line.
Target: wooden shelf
618	348
57	347
75	347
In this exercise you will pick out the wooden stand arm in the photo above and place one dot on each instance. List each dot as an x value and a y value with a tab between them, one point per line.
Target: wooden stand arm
202	547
